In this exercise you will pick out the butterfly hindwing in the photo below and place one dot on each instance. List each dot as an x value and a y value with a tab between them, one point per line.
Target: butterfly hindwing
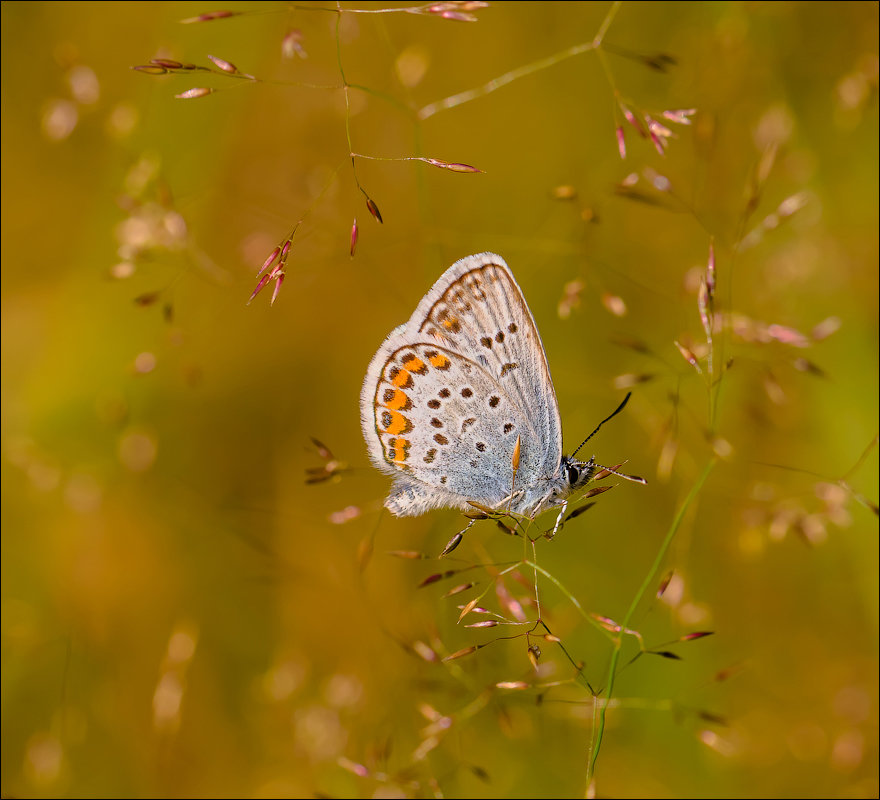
449	394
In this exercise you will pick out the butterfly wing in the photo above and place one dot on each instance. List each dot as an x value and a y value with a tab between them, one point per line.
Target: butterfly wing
449	394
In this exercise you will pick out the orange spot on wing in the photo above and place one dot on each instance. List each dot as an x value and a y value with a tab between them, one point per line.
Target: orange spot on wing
397	424
439	361
397	400
415	364
398	450
401	379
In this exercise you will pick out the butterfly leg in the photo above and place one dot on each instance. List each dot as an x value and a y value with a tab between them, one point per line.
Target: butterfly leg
560	519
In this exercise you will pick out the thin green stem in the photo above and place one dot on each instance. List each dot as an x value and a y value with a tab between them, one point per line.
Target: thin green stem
345	92
571	598
710	368
502	80
606	23
390	99
609	75
650	577
527	542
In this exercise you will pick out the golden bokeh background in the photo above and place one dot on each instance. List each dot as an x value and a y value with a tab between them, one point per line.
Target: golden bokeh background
183	615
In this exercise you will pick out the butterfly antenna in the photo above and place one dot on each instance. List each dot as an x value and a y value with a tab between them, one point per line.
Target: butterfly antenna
613	471
610	416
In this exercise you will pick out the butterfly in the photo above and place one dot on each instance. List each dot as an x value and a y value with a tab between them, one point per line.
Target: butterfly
459	407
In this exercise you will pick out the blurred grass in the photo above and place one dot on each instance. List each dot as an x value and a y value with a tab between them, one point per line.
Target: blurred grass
179	617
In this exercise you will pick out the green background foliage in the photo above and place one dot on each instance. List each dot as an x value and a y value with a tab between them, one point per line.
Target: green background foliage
183	615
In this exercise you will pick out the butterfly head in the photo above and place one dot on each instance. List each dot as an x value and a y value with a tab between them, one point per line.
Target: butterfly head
571	476
576	473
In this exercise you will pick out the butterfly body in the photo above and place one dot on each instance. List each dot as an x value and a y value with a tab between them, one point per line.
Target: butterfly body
458	404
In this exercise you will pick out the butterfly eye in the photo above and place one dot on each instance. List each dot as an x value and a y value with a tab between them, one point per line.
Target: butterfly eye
574	475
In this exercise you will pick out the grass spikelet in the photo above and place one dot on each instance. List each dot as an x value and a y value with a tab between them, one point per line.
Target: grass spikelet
597	489
634	121
353	767
462	587
225	66
470	606
373	209
825	328
425	652
269	260
454	542
628	380
614	304
681	116
437	576
414	555
509	603
688	355
262	283
150	69
455	11
534	655
167	63
664	584
147	299
665	654
292	45
465	651
450	165
578	511
607	623
354	238
277	272
344	515
210	16
690	637
191	94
